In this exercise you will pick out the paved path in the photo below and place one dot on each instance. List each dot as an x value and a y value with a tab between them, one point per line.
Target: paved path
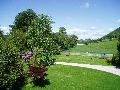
110	69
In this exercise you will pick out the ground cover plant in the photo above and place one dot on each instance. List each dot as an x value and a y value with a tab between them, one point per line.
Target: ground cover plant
75	78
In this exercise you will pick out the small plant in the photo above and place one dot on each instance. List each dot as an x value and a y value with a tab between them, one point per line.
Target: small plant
109	60
38	72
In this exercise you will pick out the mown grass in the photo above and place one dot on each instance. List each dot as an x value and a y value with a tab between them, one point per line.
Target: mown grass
76	78
101	47
81	59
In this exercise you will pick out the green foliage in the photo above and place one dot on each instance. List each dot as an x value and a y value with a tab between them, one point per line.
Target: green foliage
116	58
88	41
39	30
62	30
63	40
19	39
113	34
73	41
39	36
29	32
10	64
23	20
1	32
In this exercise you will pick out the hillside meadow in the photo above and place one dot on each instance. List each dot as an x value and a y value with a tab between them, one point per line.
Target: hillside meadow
101	47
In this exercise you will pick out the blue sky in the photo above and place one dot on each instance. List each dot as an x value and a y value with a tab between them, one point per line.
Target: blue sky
85	18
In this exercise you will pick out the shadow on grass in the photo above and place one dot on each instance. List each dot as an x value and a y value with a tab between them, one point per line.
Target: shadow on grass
20	82
118	67
41	82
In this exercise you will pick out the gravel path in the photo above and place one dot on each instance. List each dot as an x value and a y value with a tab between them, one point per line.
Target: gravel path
110	69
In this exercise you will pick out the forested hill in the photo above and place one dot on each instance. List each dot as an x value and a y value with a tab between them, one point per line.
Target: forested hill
113	34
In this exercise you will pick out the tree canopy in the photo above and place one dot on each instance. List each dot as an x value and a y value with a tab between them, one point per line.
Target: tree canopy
24	19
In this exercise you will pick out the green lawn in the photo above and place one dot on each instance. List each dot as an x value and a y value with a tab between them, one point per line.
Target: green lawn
101	47
76	78
81	59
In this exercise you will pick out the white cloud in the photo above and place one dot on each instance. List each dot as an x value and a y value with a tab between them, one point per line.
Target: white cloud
93	28
91	32
111	29
118	21
6	30
68	18
87	5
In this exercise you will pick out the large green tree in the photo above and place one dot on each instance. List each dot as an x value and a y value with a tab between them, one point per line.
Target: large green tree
20	28
39	36
24	19
34	32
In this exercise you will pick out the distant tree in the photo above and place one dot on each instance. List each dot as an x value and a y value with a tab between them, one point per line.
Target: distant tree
1	32
63	40
81	41
62	30
55	37
73	40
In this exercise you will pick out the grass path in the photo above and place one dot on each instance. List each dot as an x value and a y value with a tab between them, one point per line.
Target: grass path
110	69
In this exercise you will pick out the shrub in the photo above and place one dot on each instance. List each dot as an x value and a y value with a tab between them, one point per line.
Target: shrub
10	64
108	59
38	72
116	58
